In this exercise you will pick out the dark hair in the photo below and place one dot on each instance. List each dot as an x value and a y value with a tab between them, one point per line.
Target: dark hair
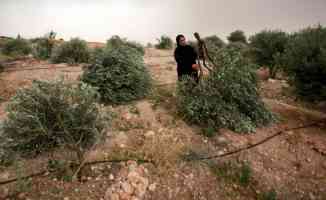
178	38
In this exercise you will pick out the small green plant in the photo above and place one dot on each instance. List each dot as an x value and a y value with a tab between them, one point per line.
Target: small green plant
239	173
17	47
164	42
22	185
270	195
245	174
74	51
119	75
62	169
159	96
133	109
209	131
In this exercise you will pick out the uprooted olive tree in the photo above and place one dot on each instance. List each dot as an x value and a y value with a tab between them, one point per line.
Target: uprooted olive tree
227	98
49	115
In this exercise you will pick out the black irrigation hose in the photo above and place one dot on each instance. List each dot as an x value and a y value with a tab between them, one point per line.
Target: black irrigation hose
159	56
23	178
39	68
315	123
88	163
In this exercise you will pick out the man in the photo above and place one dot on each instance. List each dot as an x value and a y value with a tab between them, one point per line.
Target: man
186	57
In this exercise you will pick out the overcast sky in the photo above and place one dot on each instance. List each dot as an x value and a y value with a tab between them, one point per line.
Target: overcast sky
145	20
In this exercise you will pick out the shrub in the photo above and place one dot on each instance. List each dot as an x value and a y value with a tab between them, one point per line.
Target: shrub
116	41
227	98
270	195
213	44
17	47
74	51
4	40
237	36
43	46
119	75
306	62
52	114
267	48
164	42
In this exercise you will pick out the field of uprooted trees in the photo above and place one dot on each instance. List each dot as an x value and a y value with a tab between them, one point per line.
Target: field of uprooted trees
86	120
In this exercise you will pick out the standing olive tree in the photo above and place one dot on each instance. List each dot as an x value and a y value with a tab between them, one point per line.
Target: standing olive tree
268	49
306	63
237	36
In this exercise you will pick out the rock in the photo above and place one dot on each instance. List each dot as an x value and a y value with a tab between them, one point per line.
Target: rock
132	165
270	80
324	164
4	176
221	140
152	187
4	193
131	184
21	196
263	73
127	116
111	177
66	198
114	197
127	188
125	196
149	134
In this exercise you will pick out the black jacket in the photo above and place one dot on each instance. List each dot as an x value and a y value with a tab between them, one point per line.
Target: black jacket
185	56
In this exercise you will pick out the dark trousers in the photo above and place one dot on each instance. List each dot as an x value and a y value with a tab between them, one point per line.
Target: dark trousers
193	74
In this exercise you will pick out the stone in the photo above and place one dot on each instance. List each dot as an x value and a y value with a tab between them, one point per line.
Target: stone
4	193
152	187
312	196
21	196
127	116
149	134
125	196
271	80
222	140
4	176
111	177
127	188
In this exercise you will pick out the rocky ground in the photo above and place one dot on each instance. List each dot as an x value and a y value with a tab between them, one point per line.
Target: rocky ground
290	166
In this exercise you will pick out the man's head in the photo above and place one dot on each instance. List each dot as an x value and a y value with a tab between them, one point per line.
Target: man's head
181	40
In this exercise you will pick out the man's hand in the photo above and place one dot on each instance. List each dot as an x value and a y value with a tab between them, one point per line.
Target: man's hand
195	67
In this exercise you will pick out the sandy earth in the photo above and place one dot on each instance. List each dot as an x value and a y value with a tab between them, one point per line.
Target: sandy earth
293	164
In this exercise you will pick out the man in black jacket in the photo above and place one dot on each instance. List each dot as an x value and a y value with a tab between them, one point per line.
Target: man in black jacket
186	57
